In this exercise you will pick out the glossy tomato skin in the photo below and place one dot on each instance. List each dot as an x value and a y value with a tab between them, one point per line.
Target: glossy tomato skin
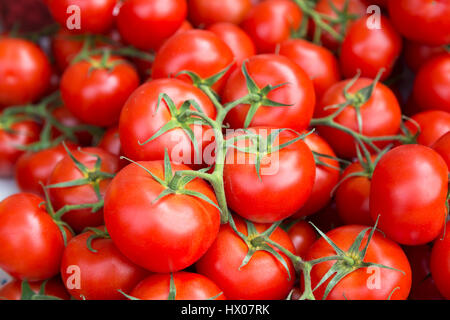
236	39
370	50
54	287
408	193
176	230
271	22
32	244
440	263
442	146
206	12
98	282
186	51
381	115
23	133
110	142
24	72
318	62
189	286
140	120
271	69
263	278
424	21
433	124
96	16
417	54
112	89
355	286
287	179
325	180
303	236
432	84
34	168
66	171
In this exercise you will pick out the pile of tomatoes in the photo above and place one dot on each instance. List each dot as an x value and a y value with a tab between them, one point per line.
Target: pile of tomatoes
239	149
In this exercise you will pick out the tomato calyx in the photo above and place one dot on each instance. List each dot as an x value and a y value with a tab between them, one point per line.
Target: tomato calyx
29	294
96	234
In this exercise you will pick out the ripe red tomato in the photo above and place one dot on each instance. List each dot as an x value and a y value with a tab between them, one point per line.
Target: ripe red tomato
263	278
287	175
54	287
137	17
303	236
318	62
32	244
326	8
34	168
176	230
432	84
186	51
18	134
408	193
236	39
433	125
440	263
207	12
140	120
65	171
188	286
270	69
352	196
417	54
271	22
370	50
24	72
374	283
424	21
442	146
95	16
95	281
381	115
326	177
112	83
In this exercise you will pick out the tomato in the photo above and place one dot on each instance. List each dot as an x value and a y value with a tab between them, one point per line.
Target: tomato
318	62
381	115
102	273
303	236
12	137
176	230
370	50
297	93
54	287
364	283
206	12
66	118
186	51
326	7
417	54
113	82
236	39
287	175
326	177
141	119
424	21
442	146
271	22
408	193
433	124
263	278
423	286
162	17
34	168
24	72
432	84
65	171
95	16
188	286
440	263
32	244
